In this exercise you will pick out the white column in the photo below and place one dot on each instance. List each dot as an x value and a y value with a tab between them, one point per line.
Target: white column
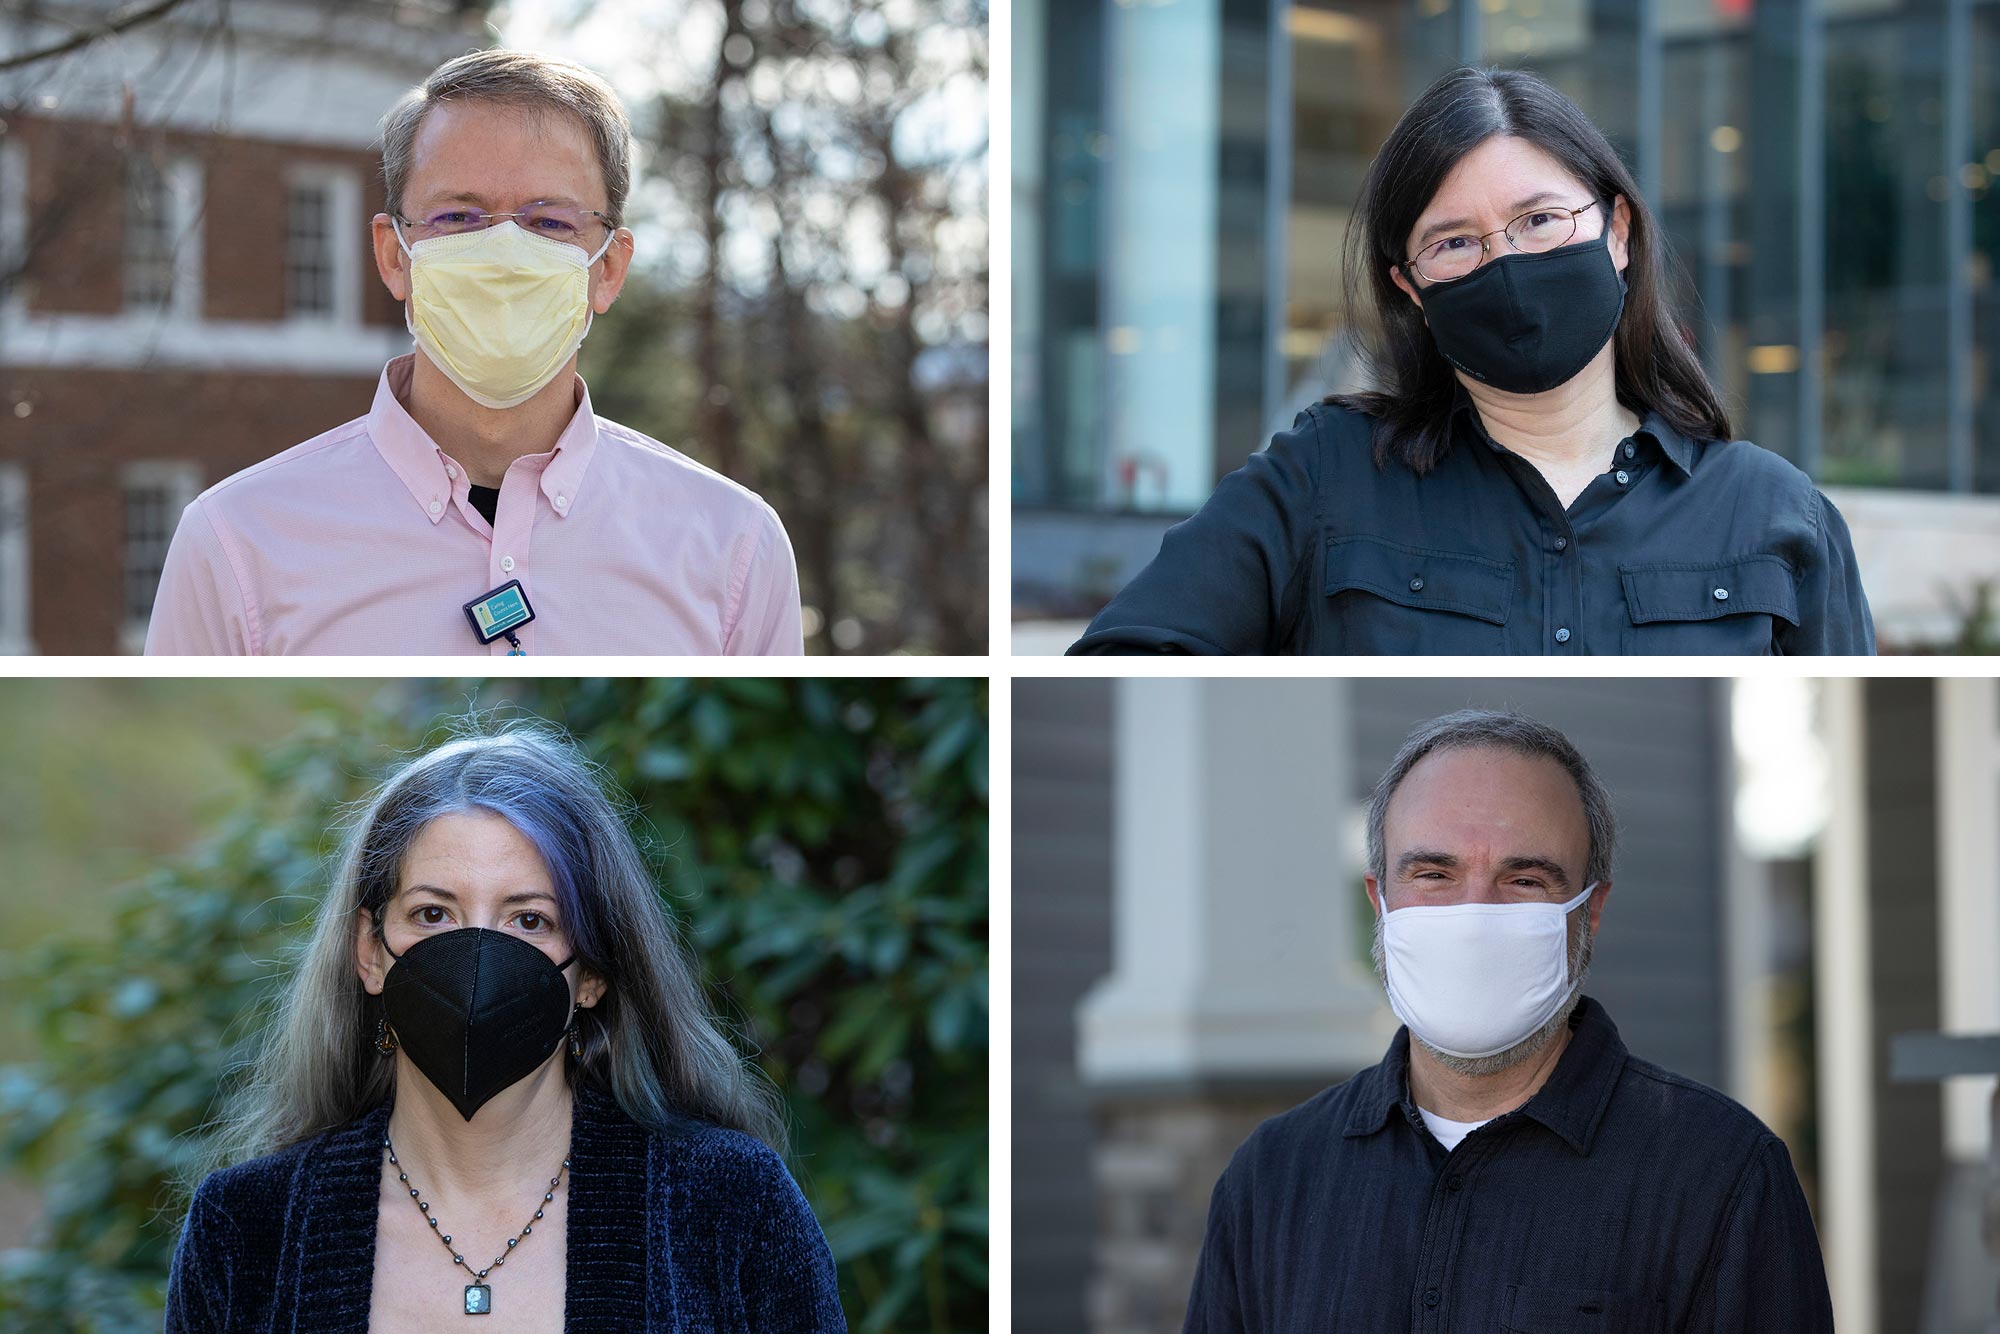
1235	948
1845	1037
1968	751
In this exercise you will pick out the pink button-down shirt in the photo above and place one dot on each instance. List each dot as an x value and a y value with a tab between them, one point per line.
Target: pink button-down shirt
365	540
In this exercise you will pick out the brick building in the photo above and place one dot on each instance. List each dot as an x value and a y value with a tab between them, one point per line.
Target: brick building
186	279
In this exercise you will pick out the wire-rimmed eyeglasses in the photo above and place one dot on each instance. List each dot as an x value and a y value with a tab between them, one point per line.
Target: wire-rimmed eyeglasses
557	222
1453	257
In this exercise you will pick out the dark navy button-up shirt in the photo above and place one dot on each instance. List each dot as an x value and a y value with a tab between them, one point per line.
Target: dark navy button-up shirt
1620	1199
1679	546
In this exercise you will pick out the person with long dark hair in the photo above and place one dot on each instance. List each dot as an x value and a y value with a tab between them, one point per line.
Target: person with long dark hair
1542	466
494	1088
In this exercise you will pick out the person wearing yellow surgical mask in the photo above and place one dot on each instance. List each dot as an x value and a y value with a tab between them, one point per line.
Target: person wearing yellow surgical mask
481	506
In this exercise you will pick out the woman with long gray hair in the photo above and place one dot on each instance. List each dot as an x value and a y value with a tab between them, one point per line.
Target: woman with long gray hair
494	1088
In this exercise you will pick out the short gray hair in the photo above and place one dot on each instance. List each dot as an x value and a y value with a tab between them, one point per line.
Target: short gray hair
526	81
1470	729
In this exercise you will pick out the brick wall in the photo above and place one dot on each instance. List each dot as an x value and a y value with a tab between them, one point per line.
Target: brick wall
71	430
86	424
76	184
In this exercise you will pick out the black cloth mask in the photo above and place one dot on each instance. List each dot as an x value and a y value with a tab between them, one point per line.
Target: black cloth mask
1526	323
476	1010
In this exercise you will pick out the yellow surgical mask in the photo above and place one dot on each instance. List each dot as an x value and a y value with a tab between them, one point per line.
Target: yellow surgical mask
499	311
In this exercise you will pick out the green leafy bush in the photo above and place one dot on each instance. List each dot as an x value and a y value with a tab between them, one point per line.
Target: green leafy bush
822	842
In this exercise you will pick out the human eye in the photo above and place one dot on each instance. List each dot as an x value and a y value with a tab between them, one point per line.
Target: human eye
533	922
430	914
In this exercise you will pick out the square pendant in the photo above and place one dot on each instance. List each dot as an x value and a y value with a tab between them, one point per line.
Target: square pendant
478	1299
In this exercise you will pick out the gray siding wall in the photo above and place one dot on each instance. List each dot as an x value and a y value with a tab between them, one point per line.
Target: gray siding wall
1901	741
1062	944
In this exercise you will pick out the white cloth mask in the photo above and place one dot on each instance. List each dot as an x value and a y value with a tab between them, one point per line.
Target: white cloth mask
499	310
1473	979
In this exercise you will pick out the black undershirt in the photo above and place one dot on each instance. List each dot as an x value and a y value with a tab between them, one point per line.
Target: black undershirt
485	499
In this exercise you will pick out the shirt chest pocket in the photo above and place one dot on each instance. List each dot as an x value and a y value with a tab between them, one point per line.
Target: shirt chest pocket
1581	1311
1730	606
1385	597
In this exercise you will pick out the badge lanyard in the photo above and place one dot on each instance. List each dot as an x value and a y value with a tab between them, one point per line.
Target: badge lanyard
498	614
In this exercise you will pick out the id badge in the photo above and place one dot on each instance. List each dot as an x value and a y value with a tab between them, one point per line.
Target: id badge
500	613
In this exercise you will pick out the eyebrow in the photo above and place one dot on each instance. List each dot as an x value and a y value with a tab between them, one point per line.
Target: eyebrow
468	197
1508	865
1541	197
520	896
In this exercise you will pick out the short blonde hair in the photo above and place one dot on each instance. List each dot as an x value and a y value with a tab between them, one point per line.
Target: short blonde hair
520	79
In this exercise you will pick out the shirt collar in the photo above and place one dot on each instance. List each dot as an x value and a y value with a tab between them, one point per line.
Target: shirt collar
1681	451
422	464
1571	1103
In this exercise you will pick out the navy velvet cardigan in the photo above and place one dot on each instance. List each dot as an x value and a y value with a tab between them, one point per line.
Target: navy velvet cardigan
697	1232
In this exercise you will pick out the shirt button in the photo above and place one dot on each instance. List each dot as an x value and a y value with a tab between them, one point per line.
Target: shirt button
437	508
562	502
451	471
1623	477
1562	544
1431	1298
507	564
1417	584
1562	635
1629	451
1722	595
1454	1182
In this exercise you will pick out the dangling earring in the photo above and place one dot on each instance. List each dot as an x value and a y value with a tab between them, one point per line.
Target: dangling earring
575	1039
385	1038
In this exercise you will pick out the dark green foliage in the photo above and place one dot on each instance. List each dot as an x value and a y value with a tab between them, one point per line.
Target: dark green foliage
821	843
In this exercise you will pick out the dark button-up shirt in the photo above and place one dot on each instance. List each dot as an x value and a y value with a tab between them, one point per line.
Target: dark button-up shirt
1679	546
1620	1198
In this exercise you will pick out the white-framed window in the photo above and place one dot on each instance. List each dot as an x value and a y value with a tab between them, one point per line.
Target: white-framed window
14	636
163	234
322	249
156	491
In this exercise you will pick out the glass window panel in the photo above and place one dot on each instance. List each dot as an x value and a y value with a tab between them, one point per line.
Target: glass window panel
1351	79
1982	179
1884	414
308	251
1161	197
149	251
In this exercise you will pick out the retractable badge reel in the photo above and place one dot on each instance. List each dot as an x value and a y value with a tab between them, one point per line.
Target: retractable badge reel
498	614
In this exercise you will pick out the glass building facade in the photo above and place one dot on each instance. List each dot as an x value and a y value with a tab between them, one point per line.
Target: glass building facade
1184	173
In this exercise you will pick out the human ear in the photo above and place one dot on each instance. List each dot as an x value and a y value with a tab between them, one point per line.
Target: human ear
1621	232
390	261
1402	280
1595	907
369	963
609	278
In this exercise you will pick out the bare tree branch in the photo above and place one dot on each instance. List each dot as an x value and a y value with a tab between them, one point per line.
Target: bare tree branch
77	41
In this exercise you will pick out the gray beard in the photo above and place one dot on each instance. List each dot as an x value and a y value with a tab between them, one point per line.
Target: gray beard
1531	1045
